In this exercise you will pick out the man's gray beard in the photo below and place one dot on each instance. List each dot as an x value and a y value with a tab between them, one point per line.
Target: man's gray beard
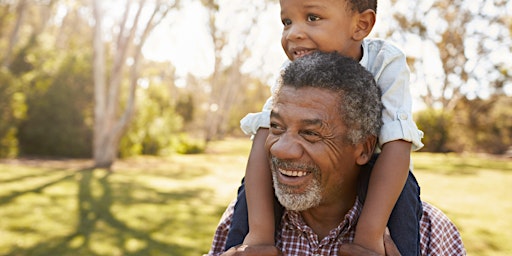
297	202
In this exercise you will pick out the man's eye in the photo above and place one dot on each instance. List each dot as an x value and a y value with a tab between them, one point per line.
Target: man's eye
275	128
286	22
311	136
312	17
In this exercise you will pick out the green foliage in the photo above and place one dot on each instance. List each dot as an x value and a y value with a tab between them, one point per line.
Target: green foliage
59	106
436	126
153	127
9	144
253	96
474	126
187	145
12	110
484	125
185	107
21	63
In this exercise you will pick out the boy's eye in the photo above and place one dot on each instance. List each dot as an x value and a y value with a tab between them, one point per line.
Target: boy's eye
312	17
286	22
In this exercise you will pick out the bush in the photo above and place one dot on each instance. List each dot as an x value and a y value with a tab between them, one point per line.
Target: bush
59	106
12	110
436	126
186	145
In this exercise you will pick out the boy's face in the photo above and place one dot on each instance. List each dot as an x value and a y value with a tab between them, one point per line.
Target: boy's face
319	25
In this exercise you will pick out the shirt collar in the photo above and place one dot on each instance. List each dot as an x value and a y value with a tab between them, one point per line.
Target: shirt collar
294	220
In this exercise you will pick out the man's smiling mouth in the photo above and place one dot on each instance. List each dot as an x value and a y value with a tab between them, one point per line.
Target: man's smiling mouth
293	173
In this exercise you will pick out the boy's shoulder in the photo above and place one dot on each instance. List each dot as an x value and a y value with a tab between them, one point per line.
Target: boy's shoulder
379	45
380	55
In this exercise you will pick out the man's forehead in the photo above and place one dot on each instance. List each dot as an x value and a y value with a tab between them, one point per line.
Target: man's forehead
308	103
306	95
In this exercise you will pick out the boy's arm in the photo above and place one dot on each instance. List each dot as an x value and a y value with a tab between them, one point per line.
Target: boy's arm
259	193
387	180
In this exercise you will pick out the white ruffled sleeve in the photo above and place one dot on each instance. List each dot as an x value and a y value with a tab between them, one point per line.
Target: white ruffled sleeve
253	121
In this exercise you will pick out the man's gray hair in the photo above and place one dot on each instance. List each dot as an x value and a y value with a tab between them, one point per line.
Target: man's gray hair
359	97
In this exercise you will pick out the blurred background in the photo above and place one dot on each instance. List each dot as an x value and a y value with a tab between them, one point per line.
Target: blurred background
110	81
157	73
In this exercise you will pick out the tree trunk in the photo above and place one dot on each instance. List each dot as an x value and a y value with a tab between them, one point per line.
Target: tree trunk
13	38
100	147
109	125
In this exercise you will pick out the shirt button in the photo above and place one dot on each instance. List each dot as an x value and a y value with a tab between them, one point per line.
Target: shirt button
403	116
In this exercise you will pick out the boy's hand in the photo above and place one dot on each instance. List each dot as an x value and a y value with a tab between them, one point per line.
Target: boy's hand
254	239
357	250
256	250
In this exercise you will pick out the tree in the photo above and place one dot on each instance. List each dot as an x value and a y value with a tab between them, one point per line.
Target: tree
21	10
156	128
227	80
59	107
462	47
132	31
18	41
12	109
483	125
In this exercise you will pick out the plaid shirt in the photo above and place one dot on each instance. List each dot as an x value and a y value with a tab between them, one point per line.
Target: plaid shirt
438	235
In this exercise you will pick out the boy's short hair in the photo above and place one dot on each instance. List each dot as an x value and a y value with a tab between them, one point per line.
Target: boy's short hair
363	5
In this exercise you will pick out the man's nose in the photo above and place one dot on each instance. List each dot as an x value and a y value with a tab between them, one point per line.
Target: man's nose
287	147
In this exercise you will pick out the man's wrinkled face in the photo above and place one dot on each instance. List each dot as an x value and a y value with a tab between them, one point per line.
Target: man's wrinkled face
311	162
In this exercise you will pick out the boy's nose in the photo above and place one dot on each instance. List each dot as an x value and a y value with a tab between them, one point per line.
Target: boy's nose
295	32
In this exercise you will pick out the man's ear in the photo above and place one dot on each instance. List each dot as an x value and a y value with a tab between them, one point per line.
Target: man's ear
365	22
365	150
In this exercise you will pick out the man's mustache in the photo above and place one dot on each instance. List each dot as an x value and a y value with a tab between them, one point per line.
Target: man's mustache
293	165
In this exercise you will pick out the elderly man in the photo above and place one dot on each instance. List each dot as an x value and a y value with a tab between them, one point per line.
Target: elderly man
323	129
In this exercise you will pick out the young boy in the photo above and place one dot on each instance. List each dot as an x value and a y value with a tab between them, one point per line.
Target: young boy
390	194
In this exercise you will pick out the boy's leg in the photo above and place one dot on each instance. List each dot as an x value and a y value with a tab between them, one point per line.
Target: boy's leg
404	221
278	215
240	222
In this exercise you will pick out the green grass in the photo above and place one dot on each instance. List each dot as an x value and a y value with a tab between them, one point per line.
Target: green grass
475	192
171	206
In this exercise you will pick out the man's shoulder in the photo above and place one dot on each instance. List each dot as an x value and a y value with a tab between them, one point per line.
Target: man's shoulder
438	234
221	232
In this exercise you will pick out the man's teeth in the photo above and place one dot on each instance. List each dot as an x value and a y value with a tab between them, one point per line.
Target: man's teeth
293	173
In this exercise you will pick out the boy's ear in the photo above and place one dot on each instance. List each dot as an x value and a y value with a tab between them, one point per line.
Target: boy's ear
365	23
365	150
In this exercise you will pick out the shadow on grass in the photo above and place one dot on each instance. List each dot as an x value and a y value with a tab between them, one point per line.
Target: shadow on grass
7	199
101	229
29	176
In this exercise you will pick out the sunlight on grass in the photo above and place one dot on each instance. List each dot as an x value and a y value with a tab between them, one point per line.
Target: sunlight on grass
171	206
470	189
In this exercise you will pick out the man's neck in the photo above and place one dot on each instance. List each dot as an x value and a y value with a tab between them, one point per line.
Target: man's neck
326	217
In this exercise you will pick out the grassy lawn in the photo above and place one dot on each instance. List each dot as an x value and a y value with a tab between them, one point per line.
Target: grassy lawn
475	192
170	206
